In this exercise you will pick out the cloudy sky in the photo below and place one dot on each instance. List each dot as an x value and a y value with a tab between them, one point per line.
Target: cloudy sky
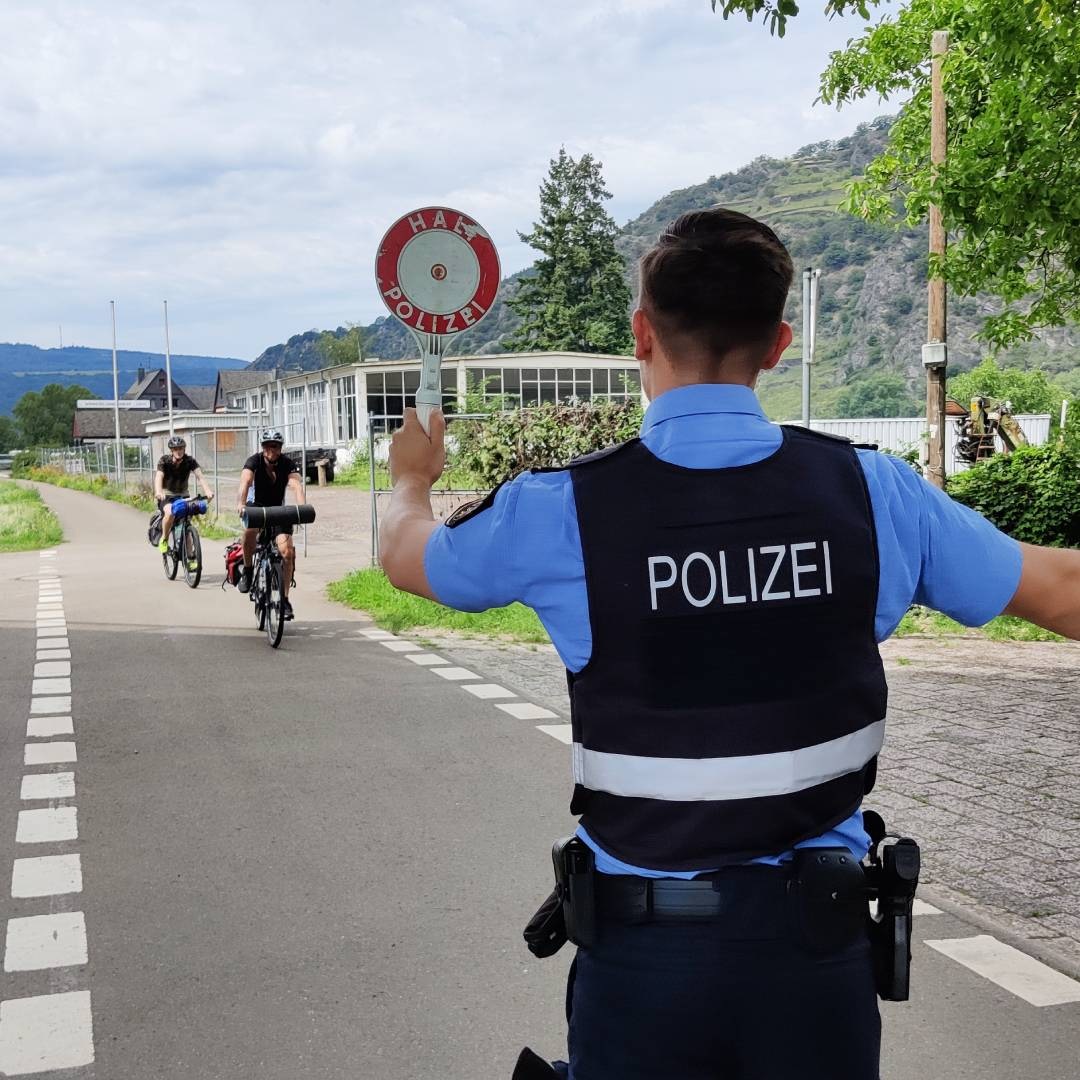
243	159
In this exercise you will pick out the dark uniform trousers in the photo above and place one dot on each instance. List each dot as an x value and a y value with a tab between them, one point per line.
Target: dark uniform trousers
683	1001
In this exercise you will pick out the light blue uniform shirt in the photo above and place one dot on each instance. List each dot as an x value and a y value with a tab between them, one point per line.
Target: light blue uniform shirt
526	547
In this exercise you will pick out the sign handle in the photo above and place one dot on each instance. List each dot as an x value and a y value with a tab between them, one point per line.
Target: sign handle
429	395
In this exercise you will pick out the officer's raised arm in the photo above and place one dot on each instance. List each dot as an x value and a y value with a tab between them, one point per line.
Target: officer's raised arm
417	459
1049	590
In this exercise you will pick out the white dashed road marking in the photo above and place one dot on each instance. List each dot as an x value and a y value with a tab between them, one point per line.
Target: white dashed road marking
377	635
455	674
563	732
51	753
54	1031
55	785
920	907
50	1031
48	825
47	875
488	691
400	646
1010	969
525	710
46	941
44	727
426	659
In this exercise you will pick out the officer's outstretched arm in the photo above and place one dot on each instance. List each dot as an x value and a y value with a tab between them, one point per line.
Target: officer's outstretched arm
1049	589
416	462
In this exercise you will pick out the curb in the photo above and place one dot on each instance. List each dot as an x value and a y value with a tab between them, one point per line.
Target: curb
1050	956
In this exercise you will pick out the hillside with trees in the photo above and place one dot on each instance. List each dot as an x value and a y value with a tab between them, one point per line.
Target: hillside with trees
872	310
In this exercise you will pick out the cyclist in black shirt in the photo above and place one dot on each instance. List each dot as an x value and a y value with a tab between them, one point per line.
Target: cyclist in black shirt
267	475
171	482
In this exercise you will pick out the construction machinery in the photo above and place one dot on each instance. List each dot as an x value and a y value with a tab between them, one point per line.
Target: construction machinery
987	420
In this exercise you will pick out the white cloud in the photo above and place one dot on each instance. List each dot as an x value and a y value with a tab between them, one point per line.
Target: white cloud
243	159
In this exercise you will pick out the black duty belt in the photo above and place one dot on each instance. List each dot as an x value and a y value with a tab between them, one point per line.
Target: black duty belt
749	899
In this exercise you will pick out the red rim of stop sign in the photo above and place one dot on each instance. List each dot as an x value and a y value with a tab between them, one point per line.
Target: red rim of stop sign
405	307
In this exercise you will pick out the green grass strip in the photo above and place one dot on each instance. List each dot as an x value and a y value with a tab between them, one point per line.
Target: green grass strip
142	500
368	590
928	623
26	523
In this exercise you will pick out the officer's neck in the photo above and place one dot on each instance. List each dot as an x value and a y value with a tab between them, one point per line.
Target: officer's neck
661	373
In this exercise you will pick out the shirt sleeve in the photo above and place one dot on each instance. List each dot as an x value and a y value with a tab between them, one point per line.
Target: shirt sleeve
935	551
194	464
469	566
252	463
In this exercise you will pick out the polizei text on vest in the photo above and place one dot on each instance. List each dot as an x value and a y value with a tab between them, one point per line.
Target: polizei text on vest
763	574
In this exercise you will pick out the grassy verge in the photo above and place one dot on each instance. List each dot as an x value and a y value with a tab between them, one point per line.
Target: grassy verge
26	523
927	623
391	609
143	499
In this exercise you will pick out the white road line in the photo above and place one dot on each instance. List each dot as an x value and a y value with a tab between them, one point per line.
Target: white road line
50	686
50	624
525	710
45	727
488	691
377	635
46	875
39	942
52	631
400	646
921	907
454	674
48	753
48	825
1010	969
426	659
39	1034
53	654
41	705
48	785
563	732
51	669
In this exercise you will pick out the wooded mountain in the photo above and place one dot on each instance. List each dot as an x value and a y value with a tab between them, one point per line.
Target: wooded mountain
872	310
26	367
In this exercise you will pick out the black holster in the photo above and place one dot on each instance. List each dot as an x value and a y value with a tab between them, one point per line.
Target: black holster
892	877
569	912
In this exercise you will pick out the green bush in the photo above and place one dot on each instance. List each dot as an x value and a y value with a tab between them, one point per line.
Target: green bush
545	436
1030	494
22	462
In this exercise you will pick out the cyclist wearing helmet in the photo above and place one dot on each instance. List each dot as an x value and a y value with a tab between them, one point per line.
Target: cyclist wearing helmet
263	483
171	482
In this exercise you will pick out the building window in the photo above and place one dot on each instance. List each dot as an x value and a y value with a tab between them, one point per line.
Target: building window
390	393
346	408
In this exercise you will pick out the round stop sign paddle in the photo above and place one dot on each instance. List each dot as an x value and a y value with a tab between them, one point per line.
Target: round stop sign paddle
438	273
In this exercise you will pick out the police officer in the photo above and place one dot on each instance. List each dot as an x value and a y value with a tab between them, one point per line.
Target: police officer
717	589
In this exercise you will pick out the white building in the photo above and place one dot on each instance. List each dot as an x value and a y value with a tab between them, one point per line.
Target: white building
339	403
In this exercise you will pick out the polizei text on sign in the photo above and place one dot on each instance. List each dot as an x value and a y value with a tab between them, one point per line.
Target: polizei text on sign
437	270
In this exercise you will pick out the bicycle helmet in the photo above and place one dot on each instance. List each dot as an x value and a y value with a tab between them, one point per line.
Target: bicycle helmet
272	435
176	443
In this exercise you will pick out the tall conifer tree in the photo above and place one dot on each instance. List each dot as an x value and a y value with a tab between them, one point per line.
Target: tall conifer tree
576	298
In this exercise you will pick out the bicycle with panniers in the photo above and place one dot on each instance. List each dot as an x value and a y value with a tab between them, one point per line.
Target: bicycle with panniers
183	545
267	582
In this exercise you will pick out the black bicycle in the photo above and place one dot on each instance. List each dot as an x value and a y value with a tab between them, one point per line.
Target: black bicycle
268	567
185	545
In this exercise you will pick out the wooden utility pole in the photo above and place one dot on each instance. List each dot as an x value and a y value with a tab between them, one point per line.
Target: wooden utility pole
934	353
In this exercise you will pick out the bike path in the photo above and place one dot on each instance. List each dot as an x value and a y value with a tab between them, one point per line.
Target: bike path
317	861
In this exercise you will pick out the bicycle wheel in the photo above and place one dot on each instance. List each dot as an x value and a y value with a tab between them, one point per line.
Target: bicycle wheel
170	561
192	549
258	587
275	609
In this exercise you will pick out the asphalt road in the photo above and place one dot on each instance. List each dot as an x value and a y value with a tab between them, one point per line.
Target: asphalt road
316	862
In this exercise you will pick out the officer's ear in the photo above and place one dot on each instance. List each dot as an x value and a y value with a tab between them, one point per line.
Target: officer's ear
779	345
644	335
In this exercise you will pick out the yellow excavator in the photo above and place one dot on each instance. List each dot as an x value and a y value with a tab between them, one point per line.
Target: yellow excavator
986	419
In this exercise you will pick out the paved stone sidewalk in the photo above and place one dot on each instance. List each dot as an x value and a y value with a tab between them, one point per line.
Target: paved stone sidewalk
981	762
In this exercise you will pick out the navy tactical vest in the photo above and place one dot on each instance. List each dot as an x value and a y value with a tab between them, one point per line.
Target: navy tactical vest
734	700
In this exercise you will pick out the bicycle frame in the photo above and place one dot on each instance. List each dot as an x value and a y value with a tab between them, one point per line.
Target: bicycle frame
267	587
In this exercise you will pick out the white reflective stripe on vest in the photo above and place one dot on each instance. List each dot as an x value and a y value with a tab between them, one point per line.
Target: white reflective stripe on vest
718	779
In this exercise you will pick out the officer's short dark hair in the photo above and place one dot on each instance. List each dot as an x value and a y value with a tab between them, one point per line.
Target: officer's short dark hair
716	279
